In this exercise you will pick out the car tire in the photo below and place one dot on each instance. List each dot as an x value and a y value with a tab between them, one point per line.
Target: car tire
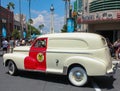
12	69
77	76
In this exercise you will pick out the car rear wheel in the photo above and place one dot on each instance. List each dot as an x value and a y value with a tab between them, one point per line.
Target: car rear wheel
12	69
77	76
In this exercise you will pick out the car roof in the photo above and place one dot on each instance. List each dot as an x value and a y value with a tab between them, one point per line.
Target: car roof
71	35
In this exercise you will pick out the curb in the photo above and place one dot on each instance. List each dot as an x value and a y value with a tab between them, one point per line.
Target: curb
1	52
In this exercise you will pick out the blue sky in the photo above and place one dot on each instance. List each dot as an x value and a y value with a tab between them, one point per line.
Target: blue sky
40	12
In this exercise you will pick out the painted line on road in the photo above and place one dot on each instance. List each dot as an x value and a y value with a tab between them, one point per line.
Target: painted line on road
96	86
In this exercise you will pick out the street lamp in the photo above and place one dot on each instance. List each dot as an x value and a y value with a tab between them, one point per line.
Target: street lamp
52	19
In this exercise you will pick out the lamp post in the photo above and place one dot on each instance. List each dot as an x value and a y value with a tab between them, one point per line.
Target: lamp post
52	19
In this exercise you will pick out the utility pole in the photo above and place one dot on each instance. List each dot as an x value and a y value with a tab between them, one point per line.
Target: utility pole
21	32
52	19
30	16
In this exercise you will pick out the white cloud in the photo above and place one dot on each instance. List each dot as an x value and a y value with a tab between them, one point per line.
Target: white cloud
37	20
43	17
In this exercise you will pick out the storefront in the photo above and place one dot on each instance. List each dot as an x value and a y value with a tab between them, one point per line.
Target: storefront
6	23
106	23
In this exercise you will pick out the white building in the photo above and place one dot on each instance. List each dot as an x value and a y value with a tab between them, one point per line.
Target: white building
20	22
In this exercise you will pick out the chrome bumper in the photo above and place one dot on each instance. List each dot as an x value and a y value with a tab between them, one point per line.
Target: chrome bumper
114	68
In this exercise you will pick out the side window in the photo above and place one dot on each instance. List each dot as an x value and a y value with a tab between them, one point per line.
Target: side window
40	43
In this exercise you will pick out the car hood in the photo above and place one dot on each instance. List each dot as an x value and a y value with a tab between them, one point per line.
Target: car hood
22	48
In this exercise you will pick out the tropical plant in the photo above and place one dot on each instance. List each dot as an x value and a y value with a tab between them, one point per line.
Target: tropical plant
64	28
10	5
41	26
33	30
30	21
16	34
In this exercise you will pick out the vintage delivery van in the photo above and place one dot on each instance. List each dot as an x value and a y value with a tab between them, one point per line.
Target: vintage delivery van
76	55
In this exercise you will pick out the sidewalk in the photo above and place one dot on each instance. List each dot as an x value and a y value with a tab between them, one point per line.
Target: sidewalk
116	60
0	52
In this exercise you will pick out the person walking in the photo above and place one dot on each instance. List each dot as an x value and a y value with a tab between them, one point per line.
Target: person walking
117	48
4	46
12	44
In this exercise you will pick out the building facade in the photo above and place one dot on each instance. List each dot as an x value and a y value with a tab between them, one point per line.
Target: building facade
6	23
20	23
102	17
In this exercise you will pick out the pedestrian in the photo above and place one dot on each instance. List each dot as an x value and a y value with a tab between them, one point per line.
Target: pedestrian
17	42
4	45
23	42
11	44
117	47
111	48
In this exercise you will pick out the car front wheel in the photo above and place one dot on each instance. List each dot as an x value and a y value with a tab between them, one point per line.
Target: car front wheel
12	70
77	76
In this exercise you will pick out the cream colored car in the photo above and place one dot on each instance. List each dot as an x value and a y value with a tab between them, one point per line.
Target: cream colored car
77	55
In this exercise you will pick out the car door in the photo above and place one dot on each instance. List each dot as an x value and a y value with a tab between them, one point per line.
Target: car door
37	55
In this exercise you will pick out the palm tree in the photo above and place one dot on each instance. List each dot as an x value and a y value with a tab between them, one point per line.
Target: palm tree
11	5
29	8
41	27
30	21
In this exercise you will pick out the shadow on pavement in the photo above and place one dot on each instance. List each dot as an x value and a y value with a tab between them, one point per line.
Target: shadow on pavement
104	82
62	79
43	77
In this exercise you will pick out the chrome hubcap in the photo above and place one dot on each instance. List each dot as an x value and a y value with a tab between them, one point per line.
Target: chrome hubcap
78	76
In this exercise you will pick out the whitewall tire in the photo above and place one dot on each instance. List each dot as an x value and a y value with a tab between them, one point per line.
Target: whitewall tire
77	76
12	70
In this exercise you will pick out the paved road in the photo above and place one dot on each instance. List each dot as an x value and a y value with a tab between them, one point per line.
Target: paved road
34	81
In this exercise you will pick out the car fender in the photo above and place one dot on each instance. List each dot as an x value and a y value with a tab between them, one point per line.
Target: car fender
17	58
93	66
